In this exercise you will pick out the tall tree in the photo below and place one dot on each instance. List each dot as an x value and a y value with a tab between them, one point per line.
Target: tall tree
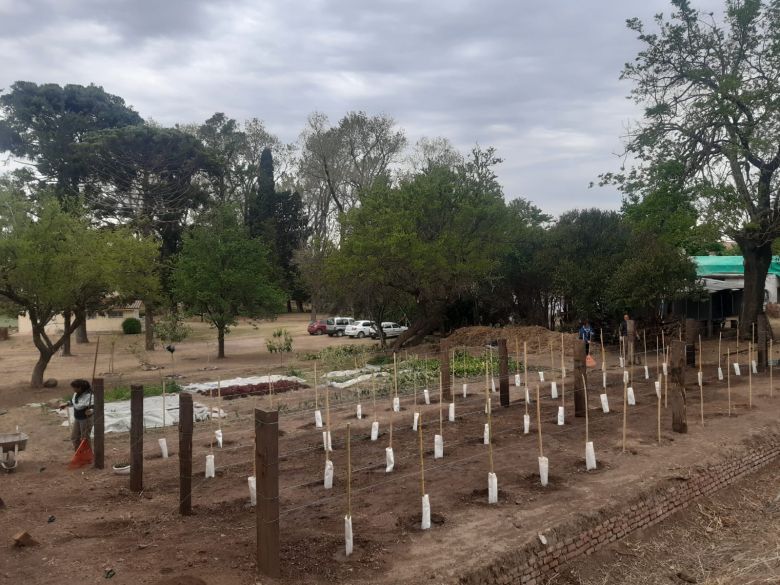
221	273
42	123
52	262
709	87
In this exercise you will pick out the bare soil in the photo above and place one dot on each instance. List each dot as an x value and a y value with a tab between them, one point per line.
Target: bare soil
87	522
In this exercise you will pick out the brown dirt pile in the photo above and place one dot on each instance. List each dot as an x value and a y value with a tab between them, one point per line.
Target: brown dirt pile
533	335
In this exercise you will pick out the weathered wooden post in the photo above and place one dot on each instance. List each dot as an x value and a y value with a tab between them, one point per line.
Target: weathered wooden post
267	510
580	379
185	453
98	397
446	378
691	336
503	372
678	365
136	438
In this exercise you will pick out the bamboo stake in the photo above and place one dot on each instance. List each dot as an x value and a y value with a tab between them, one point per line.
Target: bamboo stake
490	437
441	403
603	353
720	340
316	391
422	462
658	415
525	361
644	339
327	424
539	421
701	382
373	395
349	471
728	375
395	374
625	413
94	363
219	401
771	368
585	387
563	375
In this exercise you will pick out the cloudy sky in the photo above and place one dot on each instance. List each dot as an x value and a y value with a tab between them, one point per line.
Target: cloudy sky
538	80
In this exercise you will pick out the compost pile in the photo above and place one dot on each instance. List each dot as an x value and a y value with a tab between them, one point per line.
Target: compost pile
261	389
476	336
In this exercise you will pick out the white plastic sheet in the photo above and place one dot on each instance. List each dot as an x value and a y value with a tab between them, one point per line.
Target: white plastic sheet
438	447
389	459
492	488
117	414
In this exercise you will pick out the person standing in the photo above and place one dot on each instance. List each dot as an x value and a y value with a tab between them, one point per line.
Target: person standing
82	403
586	334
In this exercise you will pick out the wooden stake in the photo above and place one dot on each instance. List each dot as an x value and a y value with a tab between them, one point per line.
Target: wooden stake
136	438
539	421
603	353
327	424
316	391
395	374
644	339
94	363
267	510
185	453
585	389
750	374
771	369
701	383
659	410
563	375
490	437
441	405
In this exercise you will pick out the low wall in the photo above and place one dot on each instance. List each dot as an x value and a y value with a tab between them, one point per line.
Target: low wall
531	564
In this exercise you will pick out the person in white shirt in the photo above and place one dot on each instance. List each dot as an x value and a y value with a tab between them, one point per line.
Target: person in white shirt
82	403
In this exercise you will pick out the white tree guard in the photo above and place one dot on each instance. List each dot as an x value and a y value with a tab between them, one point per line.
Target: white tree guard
163	447
755	366
604	380
647	373
720	373
554	389
737	371
359	411
451	413
375	430
657	385
541	376
427	396
327	445
486	434
348	535
700	378
218	437
252	483
630	395
318	419
665	369
396	404
604	403
544	470
389	459
561	416
438	447
527	395
517	380
465	389
415	420
492	488
426	513
526	424
210	471
590	456
328	483
626	377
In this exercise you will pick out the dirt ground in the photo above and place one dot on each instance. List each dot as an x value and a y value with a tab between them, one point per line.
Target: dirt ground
87	522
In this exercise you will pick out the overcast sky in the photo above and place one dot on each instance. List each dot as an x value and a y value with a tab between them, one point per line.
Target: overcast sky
538	80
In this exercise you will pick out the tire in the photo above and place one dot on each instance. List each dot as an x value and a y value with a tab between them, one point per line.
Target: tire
339	333
360	335
330	334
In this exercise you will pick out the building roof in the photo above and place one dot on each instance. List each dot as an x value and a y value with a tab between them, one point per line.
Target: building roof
726	265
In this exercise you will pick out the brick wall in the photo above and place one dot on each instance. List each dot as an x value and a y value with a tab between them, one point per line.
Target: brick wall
530	564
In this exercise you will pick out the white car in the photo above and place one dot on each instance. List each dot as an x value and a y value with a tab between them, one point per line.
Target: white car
359	329
391	329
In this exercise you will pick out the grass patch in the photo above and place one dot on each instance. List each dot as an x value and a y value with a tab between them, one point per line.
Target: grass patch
123	392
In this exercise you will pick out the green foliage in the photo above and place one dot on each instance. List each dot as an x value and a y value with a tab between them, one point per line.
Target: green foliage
171	328
221	273
131	326
338	357
280	342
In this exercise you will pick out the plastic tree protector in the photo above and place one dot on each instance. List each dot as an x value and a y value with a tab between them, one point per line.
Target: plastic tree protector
647	373
658	389
426	513
218	435
348	535
561	416
527	395
451	414
486	435
544	469
541	376
438	447
465	389
426	396
375	430
492	488
604	403
415	420
389	459
590	456
163	447
737	371
209	466
631	398
526	424
326	441
252	483
396	404
604	379
554	389
625	377
517	380
328	474
318	419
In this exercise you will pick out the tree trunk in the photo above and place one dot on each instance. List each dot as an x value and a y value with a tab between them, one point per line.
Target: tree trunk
757	259
677	391
66	346
221	342
289	305
81	330
149	327
44	357
299	305
580	379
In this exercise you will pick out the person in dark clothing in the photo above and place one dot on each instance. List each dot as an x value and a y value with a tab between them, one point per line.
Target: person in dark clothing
586	334
82	403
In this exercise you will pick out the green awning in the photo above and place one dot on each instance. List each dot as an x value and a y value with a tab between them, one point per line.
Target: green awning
713	265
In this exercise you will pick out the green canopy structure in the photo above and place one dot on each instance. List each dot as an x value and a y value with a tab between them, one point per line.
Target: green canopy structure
723	265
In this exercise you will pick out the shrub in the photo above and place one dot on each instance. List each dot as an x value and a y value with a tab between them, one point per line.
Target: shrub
280	342
171	329
131	326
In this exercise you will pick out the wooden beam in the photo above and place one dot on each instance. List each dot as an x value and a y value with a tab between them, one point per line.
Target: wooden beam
185	453
267	511
136	438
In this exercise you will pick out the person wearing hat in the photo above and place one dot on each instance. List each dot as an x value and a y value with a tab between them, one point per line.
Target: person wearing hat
82	403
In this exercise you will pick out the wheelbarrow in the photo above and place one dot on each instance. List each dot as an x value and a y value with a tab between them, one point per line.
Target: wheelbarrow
10	445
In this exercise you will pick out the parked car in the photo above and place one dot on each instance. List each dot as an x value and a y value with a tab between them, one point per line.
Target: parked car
337	325
318	327
391	330
359	329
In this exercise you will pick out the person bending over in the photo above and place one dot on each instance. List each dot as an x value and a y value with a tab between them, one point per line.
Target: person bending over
82	403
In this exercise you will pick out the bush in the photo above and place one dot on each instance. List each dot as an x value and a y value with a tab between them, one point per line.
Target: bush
281	341
131	326
171	329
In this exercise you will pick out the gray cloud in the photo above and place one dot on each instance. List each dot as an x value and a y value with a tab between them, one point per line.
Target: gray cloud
537	80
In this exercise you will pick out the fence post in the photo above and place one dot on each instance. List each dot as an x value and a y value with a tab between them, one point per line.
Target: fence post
185	453
98	416
678	365
136	438
267	471
503	372
762	342
580	378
